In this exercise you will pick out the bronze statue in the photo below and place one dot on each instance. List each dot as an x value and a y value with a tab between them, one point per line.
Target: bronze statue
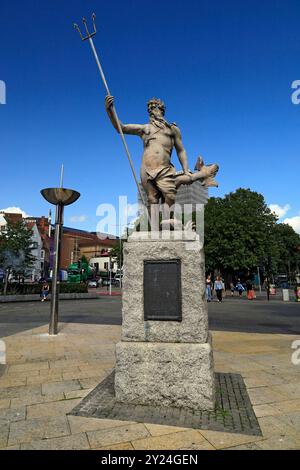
158	175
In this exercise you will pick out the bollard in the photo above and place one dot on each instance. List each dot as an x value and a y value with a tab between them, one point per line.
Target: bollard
2	352
285	295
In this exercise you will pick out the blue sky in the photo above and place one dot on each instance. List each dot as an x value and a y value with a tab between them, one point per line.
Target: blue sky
223	68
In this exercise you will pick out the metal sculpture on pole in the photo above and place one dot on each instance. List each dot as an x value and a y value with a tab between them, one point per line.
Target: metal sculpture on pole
60	197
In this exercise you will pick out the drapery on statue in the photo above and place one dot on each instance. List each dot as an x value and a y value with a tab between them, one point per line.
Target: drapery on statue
158	175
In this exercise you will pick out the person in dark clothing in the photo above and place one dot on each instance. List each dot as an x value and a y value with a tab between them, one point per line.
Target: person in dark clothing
219	286
250	291
45	291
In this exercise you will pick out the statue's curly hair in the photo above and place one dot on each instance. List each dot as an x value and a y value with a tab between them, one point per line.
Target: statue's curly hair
158	103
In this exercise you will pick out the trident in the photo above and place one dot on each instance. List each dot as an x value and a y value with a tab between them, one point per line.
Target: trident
89	36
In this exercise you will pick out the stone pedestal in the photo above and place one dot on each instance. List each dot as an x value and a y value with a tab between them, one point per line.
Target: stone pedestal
165	362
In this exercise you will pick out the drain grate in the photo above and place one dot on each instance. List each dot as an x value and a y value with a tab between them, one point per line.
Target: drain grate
233	411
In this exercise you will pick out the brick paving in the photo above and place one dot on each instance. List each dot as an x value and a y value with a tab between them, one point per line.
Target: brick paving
47	377
233	411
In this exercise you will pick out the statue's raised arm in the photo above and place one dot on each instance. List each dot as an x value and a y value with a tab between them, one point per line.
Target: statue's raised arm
134	129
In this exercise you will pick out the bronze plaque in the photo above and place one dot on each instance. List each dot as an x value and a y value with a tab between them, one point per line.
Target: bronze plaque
162	290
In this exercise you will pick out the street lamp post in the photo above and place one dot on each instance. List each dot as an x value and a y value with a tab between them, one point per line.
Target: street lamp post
60	197
110	275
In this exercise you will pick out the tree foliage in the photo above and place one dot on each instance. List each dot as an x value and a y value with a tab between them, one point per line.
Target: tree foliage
16	247
288	248
242	233
117	253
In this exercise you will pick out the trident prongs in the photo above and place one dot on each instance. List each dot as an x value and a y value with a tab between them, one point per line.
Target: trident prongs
89	35
77	27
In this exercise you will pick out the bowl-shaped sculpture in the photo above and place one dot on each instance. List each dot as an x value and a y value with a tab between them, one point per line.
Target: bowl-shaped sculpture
60	195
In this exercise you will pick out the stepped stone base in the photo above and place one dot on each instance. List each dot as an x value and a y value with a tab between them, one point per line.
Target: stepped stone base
165	374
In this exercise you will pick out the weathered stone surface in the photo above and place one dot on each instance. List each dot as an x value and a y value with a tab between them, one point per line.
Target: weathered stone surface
5	403
187	439
165	374
52	409
4	431
117	435
165	363
74	442
32	429
222	440
11	415
57	387
194	325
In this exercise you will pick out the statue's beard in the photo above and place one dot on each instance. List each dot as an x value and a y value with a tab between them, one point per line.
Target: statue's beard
159	121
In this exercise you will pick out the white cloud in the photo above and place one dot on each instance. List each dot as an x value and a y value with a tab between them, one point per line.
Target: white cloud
78	218
280	211
293	222
15	210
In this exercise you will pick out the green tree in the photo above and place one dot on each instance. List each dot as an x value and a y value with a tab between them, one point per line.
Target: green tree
288	249
239	232
117	253
16	248
84	260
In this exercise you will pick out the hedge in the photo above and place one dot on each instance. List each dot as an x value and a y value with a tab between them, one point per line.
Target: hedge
27	289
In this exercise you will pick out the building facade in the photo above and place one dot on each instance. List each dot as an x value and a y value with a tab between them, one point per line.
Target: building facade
77	243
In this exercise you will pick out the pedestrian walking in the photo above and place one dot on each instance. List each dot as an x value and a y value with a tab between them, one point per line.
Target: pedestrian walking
240	288
44	291
218	287
268	287
250	291
208	290
232	289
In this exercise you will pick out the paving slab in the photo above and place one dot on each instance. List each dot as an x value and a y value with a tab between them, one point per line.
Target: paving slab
79	424
55	408
122	446
184	440
4	403
36	429
117	435
158	430
77	393
35	399
74	442
62	386
10	415
4	431
279	442
222	440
